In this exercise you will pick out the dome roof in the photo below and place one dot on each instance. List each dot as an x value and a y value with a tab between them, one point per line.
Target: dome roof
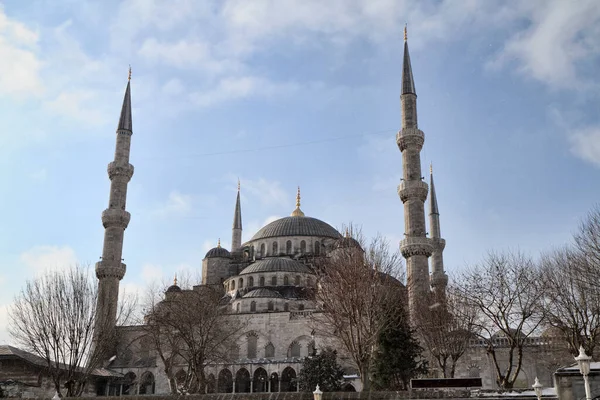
347	242
274	264
218	252
297	226
262	292
173	289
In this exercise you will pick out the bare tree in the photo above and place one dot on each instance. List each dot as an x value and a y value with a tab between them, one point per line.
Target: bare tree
360	297
191	329
572	295
53	317
446	329
505	292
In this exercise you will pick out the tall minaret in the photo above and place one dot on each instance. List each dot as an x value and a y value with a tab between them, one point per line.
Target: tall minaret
439	279
236	235
415	247
110	270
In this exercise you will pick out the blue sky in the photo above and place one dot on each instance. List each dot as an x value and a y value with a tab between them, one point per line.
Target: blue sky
284	94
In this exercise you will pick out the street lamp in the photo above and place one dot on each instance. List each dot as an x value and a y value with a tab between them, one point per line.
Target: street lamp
317	394
537	387
584	367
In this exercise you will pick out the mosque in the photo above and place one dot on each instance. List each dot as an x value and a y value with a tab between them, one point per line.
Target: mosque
271	278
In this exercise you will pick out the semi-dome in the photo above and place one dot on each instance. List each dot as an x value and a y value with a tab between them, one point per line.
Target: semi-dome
262	292
218	252
297	226
276	265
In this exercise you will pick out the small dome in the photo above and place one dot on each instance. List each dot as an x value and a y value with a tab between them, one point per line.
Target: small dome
173	289
276	265
218	252
347	242
262	292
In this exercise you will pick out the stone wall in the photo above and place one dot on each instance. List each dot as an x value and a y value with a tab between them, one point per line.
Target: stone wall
414	394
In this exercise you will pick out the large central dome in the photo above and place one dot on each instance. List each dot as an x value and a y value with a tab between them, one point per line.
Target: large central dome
297	226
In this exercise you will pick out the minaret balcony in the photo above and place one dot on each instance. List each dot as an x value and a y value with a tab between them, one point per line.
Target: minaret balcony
408	190
416	246
438	244
107	269
116	169
438	280
410	138
115	217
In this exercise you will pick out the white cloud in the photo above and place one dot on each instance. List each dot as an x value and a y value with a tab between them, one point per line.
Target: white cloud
177	204
19	64
76	105
267	192
559	37
151	273
585	144
40	259
235	88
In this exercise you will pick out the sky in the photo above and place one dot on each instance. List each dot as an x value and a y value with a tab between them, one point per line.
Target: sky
281	94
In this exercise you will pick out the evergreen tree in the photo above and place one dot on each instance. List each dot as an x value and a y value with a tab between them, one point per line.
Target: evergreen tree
398	358
321	369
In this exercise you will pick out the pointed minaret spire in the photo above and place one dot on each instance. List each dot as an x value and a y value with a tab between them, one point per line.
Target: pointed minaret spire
439	279
408	83
236	233
110	270
297	212
416	246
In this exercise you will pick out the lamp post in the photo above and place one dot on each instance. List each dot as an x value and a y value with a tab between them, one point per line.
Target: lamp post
584	367
317	394
537	388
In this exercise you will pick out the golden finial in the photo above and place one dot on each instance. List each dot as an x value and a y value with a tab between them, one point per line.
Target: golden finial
238	184
297	212
129	76
219	243
298	198
347	233
175	280
405	32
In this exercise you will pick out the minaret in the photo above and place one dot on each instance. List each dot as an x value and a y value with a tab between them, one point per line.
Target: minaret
110	270
236	234
415	247
439	279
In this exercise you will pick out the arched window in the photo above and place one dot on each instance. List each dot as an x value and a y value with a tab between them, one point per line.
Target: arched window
129	385
147	383
262	250
317	248
300	306
286	280
303	247
274	281
234	352
232	285
250	281
288	247
295	349
253	306
237	307
241	281
286	307
297	280
274	248
225	381
269	350
261	281
270	306
252	339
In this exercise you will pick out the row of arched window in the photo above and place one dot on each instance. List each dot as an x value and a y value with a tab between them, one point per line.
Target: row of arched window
274	282
289	250
259	382
269	350
270	306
